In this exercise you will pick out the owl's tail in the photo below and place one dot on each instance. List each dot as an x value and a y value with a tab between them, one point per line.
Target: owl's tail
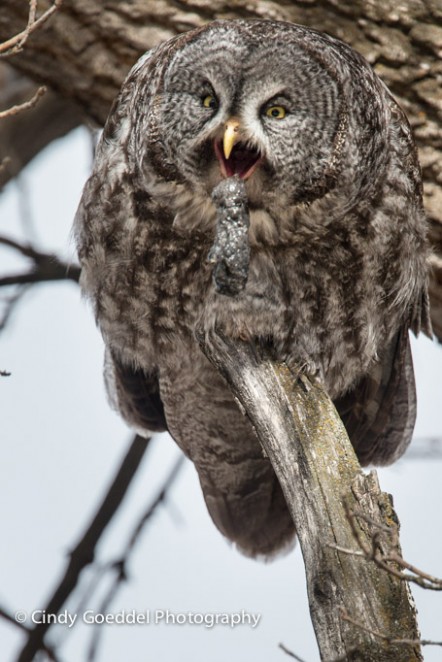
249	508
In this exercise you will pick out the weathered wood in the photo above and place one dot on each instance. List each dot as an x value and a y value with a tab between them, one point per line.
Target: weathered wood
301	433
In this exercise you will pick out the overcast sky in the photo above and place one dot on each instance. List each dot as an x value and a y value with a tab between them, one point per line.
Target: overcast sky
61	444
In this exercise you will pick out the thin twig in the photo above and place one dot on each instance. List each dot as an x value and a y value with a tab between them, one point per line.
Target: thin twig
16	43
436	583
290	653
32	13
345	550
26	105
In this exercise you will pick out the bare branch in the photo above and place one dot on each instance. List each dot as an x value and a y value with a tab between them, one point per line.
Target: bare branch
23	135
8	48
46	267
25	249
15	44
52	270
290	653
419	576
32	13
27	105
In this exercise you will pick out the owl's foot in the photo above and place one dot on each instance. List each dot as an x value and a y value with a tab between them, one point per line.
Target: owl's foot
304	367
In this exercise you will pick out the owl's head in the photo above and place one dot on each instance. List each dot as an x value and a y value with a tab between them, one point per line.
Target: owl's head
289	110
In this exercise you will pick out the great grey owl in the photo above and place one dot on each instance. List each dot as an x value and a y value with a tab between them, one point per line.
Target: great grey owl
337	236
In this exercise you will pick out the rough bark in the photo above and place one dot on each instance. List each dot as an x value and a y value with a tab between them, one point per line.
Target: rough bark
84	51
357	609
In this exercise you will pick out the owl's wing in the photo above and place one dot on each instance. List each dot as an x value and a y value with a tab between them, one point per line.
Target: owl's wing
135	395
379	413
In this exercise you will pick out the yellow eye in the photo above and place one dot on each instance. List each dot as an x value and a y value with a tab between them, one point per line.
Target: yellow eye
210	102
277	112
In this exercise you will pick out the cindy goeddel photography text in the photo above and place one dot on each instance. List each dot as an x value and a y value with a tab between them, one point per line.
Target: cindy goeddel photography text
147	617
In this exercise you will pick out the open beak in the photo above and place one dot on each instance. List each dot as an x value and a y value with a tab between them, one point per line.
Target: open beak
231	136
234	157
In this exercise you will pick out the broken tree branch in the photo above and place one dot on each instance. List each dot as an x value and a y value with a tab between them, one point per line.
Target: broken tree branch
307	444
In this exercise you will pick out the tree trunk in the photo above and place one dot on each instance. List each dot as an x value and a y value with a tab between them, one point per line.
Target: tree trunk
359	611
85	50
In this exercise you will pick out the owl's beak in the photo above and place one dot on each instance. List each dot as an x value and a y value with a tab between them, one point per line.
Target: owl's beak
236	157
231	135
